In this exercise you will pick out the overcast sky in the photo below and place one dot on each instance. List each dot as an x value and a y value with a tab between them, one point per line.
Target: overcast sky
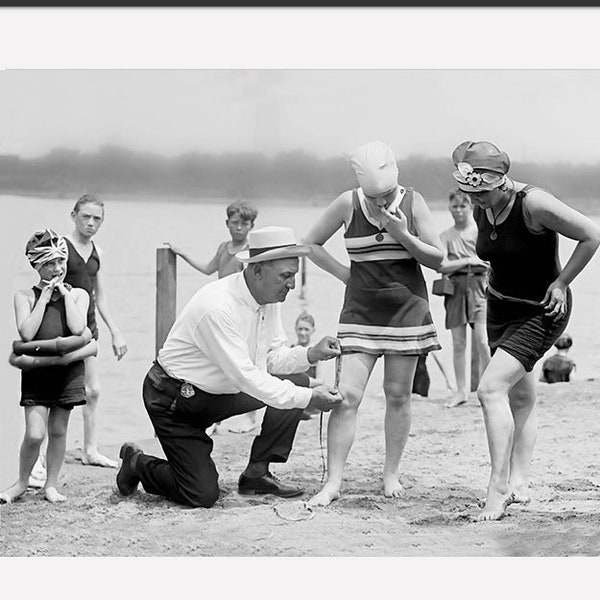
543	115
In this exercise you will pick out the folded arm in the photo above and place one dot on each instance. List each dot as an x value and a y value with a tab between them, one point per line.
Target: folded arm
26	362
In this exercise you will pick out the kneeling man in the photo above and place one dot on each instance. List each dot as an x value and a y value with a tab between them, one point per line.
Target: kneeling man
218	361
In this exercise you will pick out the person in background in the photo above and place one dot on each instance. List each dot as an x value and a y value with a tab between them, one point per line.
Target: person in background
466	306
528	304
422	380
84	271
240	220
50	314
559	366
305	328
241	217
219	360
388	233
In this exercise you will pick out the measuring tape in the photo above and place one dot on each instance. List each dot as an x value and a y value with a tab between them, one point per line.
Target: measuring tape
336	388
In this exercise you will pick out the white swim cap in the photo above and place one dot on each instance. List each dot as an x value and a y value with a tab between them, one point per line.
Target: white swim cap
375	167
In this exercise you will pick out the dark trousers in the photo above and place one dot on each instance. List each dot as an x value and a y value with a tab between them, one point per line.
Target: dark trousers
189	475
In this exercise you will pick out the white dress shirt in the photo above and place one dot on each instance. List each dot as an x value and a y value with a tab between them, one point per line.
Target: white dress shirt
224	342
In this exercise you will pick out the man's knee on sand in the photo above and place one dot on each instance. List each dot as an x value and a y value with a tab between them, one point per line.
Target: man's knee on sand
198	494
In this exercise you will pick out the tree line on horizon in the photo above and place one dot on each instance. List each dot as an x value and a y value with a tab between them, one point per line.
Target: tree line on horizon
286	176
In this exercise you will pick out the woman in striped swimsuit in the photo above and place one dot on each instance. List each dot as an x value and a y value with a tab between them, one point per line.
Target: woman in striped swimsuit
389	232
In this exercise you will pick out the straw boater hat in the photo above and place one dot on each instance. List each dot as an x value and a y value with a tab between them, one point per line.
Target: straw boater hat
270	243
481	166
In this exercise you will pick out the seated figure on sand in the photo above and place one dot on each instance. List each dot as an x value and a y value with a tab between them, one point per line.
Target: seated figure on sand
560	366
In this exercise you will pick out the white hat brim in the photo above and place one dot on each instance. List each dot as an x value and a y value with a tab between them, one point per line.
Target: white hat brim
274	254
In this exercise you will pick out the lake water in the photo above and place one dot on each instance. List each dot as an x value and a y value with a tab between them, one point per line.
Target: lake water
130	235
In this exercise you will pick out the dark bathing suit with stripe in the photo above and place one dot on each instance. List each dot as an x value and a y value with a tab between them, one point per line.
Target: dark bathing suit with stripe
523	265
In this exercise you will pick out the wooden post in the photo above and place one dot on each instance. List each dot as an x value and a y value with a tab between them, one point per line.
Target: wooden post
166	293
302	277
474	365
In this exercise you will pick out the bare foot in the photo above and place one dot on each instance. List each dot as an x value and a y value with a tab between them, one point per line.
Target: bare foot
392	488
52	495
242	424
520	495
495	506
325	497
98	460
14	492
456	400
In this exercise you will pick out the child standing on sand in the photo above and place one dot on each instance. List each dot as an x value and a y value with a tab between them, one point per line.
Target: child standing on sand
467	304
54	315
240	220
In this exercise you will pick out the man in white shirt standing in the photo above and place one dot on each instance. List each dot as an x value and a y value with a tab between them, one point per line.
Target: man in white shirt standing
218	361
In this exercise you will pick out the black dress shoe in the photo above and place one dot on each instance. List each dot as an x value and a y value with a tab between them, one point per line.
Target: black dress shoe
267	484
127	480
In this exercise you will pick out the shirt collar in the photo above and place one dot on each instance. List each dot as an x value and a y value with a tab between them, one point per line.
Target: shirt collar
245	294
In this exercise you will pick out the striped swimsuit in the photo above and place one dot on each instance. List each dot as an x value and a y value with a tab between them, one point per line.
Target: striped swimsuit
386	307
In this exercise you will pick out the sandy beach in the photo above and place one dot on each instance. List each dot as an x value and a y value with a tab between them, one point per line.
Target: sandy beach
444	469
444	472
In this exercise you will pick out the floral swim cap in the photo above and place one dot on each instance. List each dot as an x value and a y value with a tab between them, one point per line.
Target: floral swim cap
481	166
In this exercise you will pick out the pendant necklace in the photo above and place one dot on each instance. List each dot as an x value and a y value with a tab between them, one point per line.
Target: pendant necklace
493	234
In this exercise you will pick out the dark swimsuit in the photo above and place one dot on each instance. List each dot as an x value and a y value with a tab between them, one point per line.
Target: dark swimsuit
58	386
82	274
523	265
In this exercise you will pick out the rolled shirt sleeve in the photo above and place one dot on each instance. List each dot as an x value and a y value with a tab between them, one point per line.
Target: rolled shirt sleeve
218	336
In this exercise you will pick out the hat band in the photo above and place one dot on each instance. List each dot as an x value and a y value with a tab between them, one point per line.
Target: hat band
256	251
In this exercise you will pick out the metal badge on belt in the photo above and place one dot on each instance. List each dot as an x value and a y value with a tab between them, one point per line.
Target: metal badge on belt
187	390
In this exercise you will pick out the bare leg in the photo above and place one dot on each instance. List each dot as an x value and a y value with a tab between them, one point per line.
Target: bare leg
341	426
243	423
38	473
399	372
35	431
91	456
480	342
459	359
522	405
57	441
442	367
503	372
